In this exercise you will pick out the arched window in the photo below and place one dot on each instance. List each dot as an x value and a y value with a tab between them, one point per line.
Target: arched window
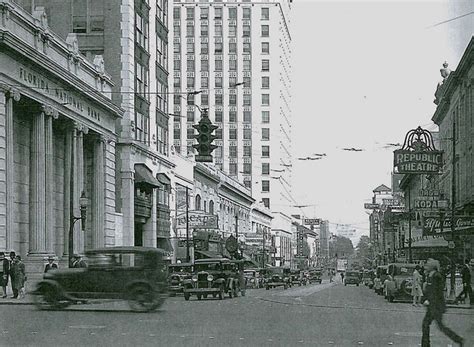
197	204
205	206
211	207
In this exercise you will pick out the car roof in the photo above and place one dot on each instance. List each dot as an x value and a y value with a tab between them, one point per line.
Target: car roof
212	260
180	265
403	264
125	249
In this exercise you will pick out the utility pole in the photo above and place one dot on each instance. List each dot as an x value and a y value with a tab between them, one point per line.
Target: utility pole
188	259
237	231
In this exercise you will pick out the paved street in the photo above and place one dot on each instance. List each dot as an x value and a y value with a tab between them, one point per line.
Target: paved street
320	315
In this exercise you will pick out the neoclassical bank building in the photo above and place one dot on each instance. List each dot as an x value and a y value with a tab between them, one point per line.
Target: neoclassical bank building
57	143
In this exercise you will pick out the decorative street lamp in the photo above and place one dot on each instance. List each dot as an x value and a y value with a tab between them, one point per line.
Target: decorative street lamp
73	220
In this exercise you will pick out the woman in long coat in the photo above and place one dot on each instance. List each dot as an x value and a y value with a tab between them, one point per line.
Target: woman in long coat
18	276
416	290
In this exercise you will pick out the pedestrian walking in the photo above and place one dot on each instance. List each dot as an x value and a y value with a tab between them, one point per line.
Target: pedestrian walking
416	290
466	283
330	276
342	277
11	273
51	264
78	262
4	270
378	285
18	276
436	305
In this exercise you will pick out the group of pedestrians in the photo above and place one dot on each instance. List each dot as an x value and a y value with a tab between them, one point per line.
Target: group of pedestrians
12	270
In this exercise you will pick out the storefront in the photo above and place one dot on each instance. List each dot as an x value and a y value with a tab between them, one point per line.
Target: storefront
57	146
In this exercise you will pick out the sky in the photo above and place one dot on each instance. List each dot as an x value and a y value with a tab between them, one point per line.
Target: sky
364	74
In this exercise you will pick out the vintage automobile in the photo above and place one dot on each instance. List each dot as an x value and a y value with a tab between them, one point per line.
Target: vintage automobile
136	274
277	277
367	278
216	277
400	282
315	276
297	278
352	277
177	274
254	279
381	272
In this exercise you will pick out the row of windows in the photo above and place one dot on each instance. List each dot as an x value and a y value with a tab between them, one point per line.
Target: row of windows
218	48
218	65
190	30
218	11
142	133
219	118
219	98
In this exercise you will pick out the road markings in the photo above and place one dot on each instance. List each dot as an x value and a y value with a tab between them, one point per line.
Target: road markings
211	337
331	342
87	327
360	343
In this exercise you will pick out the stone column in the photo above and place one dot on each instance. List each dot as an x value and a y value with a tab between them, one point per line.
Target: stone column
78	179
98	202
37	187
50	225
68	163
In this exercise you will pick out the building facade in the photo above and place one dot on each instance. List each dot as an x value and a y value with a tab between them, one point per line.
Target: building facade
259	240
58	142
132	36
234	57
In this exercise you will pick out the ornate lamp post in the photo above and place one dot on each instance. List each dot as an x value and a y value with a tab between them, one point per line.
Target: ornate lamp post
74	219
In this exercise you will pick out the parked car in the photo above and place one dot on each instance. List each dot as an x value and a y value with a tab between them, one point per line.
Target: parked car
136	274
367	278
177	274
297	278
352	277
277	277
400	282
381	272
216	277
315	276
254	279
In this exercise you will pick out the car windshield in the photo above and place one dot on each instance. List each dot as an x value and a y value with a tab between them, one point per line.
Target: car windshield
352	273
208	267
403	270
179	269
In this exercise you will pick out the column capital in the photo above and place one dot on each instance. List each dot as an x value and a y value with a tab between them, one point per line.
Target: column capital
10	92
81	127
50	111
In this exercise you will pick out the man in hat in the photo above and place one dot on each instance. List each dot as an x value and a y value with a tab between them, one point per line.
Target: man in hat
436	305
4	270
78	262
51	264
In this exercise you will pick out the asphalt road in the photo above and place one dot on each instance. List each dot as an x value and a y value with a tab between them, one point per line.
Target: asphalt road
319	315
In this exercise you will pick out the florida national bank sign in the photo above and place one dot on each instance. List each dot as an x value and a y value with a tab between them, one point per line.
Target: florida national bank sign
418	155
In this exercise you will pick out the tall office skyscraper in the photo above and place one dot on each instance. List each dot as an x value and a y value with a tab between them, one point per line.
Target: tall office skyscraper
236	58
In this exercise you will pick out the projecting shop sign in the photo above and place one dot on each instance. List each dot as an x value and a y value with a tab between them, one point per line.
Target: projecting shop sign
462	224
197	219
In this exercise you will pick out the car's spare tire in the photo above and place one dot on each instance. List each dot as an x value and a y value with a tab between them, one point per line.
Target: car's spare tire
48	297
143	299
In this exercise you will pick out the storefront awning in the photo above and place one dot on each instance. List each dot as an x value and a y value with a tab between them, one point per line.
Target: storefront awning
143	175
209	254
438	242
164	243
163	179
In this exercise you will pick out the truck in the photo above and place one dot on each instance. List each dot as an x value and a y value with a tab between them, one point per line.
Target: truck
341	265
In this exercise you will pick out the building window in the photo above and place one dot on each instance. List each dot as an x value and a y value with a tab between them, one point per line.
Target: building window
204	12
190	13
247	82
219	99
247	168
247	100
266	202
88	16
265	134
265	47
232	47
217	30
265	99
218	48
233	169
204	30
265	82
162	140
177	30
162	11
232	134
232	65
177	134
247	65
232	31
233	13
204	65
246	13
141	31
247	153
176	13
265	13
265	65
204	99
265	168
232	82
204	82
211	207
162	96
190	48
218	134
190	116
190	65
219	116
177	49
265	151
232	99
233	151
247	134
177	99
141	80
248	184
142	127
232	116
190	133
218	82
218	152
247	47
218	13
265	116
197	204
218	66
190	84
189	30
246	31
177	65
265	186
204	48
265	30
247	116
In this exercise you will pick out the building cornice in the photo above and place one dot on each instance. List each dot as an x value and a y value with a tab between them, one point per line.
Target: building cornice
147	152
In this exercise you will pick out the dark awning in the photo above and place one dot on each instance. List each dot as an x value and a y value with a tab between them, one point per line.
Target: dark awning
163	179
144	175
209	254
164	243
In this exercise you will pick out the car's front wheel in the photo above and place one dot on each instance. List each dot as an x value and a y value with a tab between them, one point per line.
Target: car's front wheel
48	298
186	296
143	299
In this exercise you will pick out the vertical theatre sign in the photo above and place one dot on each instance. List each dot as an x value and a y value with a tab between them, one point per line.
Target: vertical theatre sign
418	154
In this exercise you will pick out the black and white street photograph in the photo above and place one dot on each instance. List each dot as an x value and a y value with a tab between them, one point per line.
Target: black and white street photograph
236	173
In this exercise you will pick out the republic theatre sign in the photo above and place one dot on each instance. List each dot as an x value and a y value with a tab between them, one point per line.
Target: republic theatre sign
418	154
